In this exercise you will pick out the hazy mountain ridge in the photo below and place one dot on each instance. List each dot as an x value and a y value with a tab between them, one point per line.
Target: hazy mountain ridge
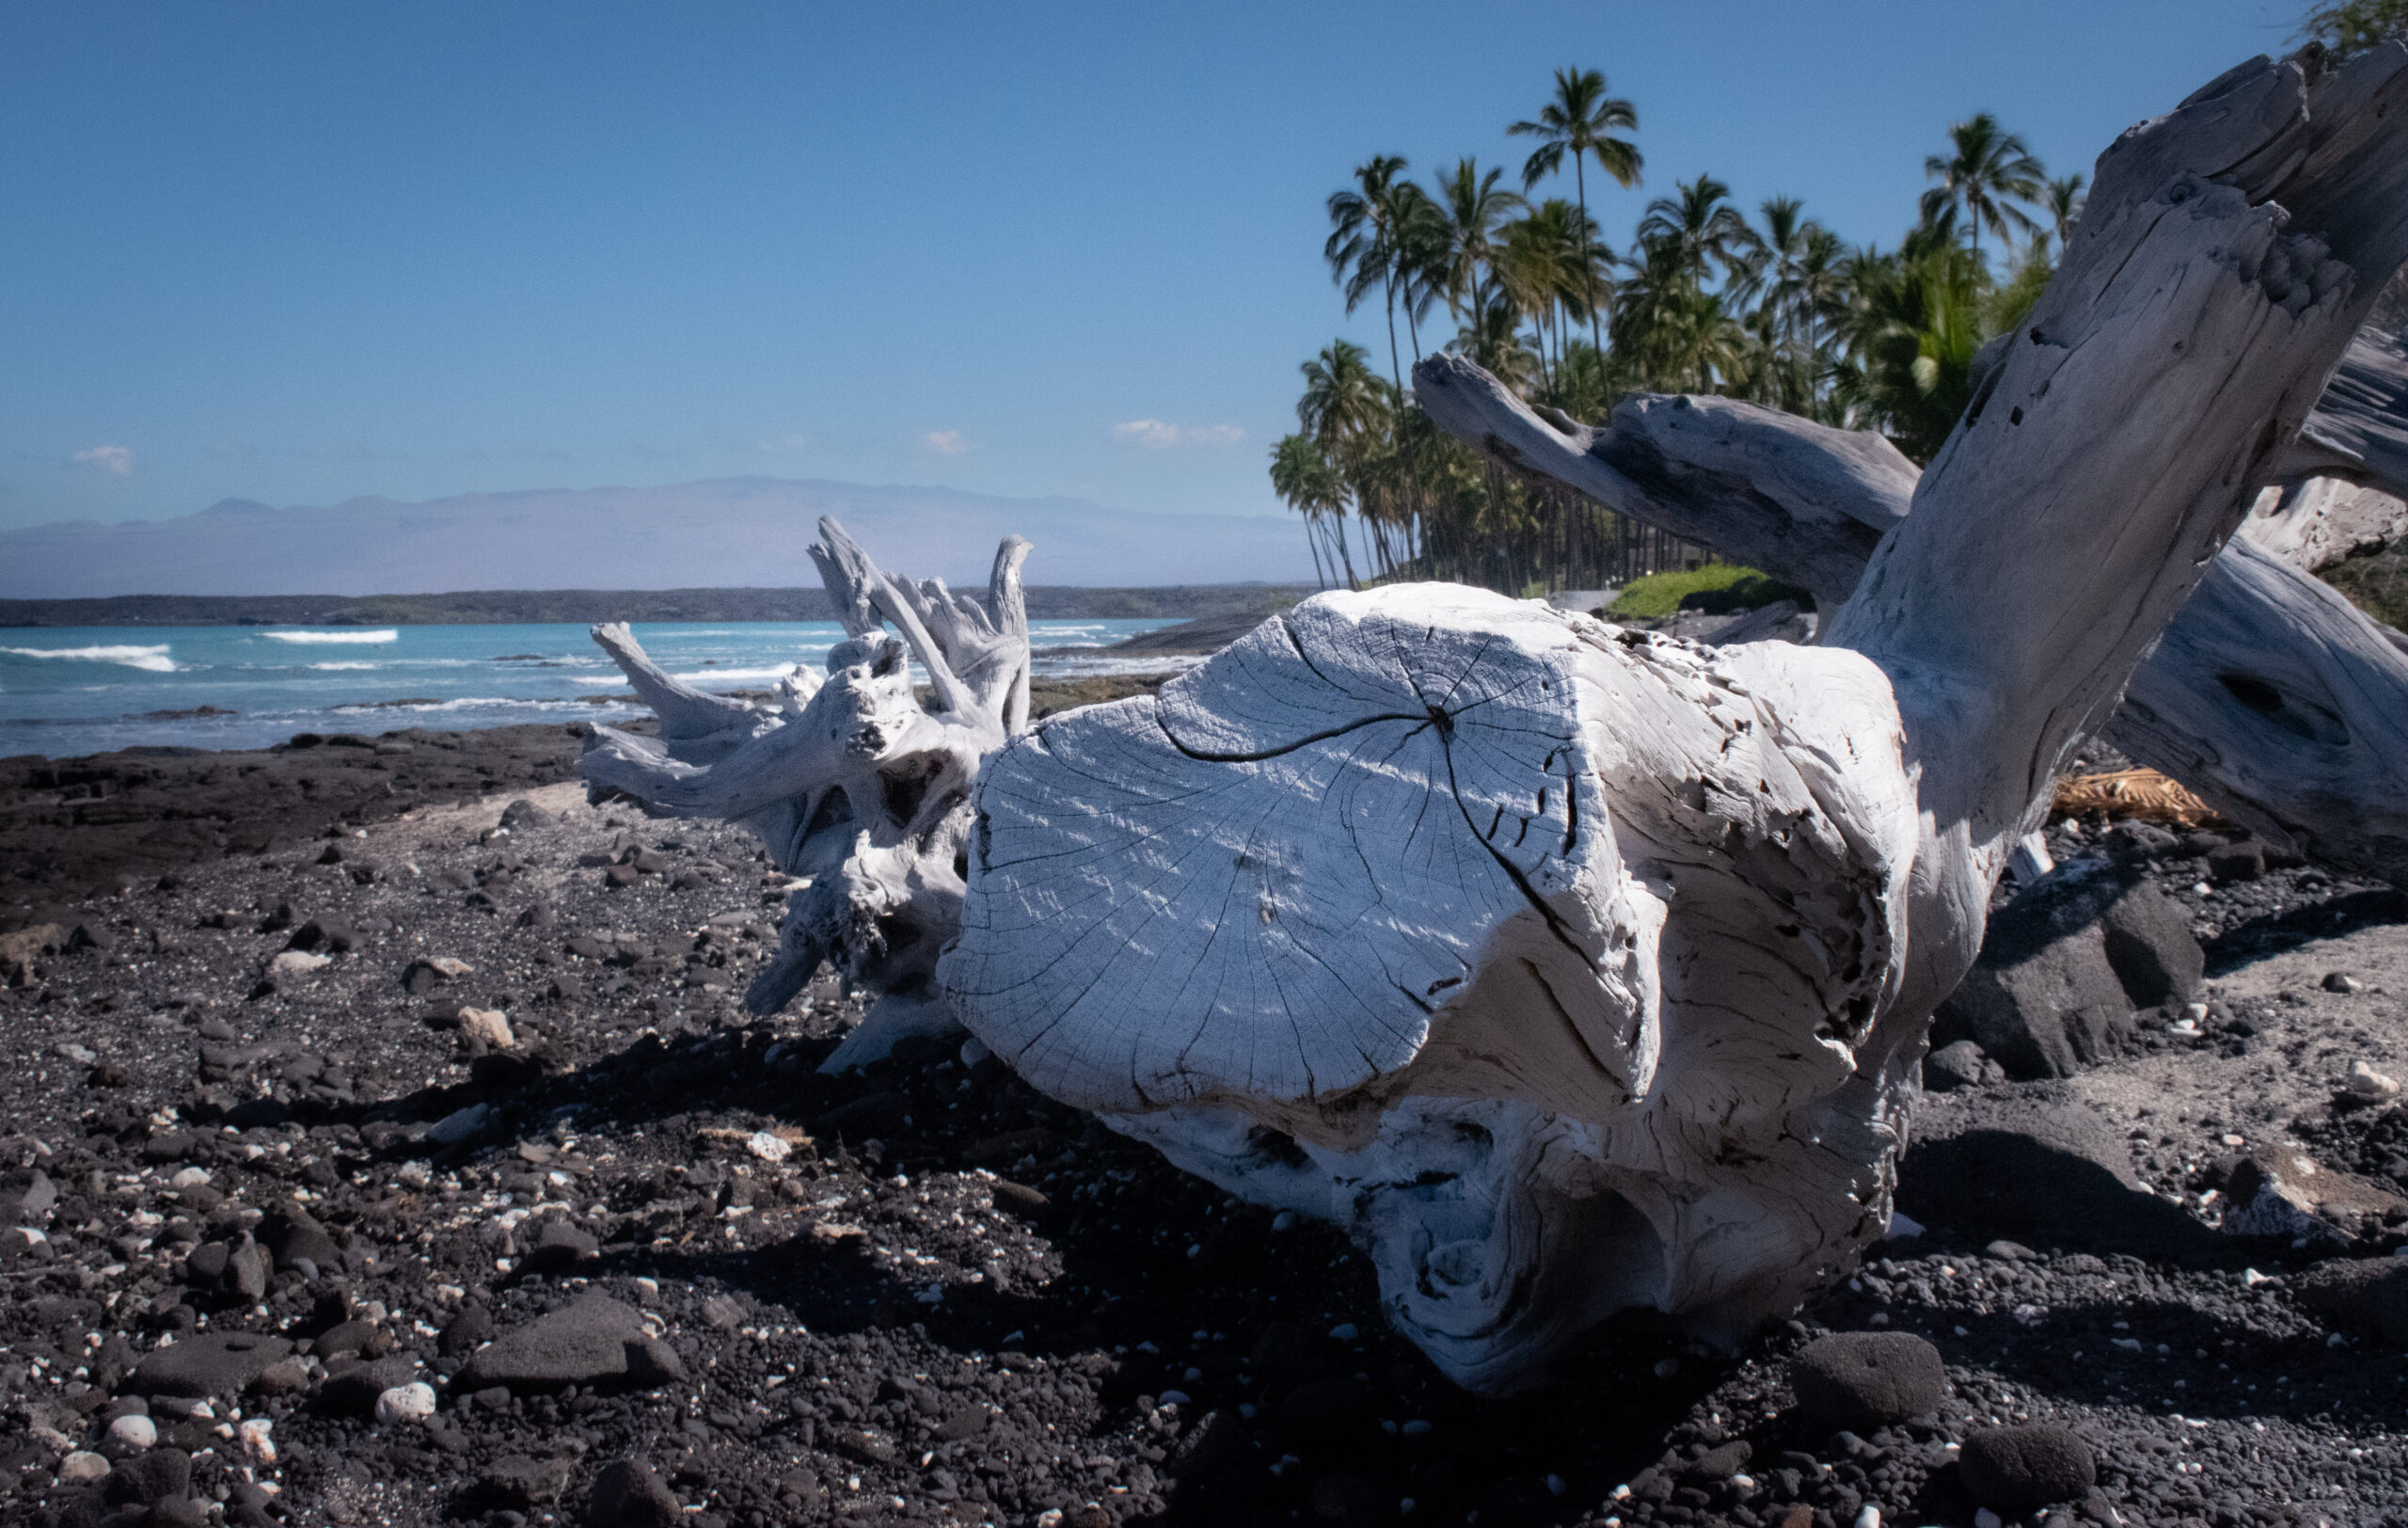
581	606
722	533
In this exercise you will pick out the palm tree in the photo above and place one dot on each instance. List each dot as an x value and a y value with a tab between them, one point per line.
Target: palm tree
1462	243
1304	478
1700	225
1792	280
1583	120
1987	171
2064	202
1346	410
1365	246
1911	332
1546	266
1672	335
2349	28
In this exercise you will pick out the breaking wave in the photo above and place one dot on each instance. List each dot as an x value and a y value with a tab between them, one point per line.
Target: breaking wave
387	635
153	659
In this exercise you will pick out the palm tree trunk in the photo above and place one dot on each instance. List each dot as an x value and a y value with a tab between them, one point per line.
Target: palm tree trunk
1345	550
1394	370
1587	267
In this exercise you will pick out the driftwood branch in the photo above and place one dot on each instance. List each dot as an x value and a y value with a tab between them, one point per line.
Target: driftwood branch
1573	968
854	786
2218	705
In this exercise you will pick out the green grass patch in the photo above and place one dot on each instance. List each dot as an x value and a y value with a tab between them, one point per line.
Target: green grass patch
1718	589
2377	584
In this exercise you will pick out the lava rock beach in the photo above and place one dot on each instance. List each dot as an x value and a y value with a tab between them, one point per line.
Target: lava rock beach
416	1162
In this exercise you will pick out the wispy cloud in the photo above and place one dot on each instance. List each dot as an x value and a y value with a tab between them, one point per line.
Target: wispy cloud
117	461
1155	435
945	443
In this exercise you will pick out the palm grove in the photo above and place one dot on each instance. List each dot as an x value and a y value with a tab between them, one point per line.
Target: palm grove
1702	298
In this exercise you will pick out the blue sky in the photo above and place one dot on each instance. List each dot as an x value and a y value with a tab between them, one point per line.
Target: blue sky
302	252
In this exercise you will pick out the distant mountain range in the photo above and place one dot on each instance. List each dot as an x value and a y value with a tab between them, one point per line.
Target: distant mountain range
722	533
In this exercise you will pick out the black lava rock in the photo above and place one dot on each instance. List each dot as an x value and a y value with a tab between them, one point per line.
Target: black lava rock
463	1332
1856	1381
627	1494
2015	1469
2063	965
576	1345
290	1234
154	1475
208	1364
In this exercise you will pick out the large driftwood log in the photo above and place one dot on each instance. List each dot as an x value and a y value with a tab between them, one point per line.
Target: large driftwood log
2360	428
1573	968
858	788
2263	677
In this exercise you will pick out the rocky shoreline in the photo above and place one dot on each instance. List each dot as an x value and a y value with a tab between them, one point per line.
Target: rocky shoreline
337	1065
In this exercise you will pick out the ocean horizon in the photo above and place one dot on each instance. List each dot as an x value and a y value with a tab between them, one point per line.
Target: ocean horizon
66	691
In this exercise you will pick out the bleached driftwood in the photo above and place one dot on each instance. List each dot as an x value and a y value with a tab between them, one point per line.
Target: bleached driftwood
2313	523
1573	968
858	787
2274	702
2360	428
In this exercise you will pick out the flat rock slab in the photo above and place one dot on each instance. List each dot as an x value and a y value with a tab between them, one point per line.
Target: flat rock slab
592	1338
209	1364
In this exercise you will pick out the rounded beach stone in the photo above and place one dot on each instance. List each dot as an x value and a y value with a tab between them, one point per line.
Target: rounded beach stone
82	1466
1859	1380
2015	1469
133	1433
413	1401
629	1495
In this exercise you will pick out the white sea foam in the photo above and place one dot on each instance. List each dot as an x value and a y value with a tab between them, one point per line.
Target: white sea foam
464	703
151	659
732	676
330	668
387	635
1070	668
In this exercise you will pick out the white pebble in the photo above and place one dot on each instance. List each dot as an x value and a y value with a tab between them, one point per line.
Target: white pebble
1284	1221
2366	1082
1984	1517
974	1050
189	1178
256	1444
1344	1331
83	1465
489	1025
767	1147
1555	1486
134	1432
413	1401
1173	1397
1869	1518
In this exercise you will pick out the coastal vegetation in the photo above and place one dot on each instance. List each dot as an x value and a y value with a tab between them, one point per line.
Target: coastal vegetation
1703	296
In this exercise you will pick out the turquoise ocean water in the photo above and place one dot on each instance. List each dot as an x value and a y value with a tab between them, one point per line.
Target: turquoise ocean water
70	691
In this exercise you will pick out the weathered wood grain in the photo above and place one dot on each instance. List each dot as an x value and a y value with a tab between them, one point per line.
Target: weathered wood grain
852	785
1571	968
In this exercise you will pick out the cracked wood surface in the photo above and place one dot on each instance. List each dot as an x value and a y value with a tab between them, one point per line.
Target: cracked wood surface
1572	969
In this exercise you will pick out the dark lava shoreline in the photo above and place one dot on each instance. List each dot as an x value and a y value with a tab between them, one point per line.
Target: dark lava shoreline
924	1295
